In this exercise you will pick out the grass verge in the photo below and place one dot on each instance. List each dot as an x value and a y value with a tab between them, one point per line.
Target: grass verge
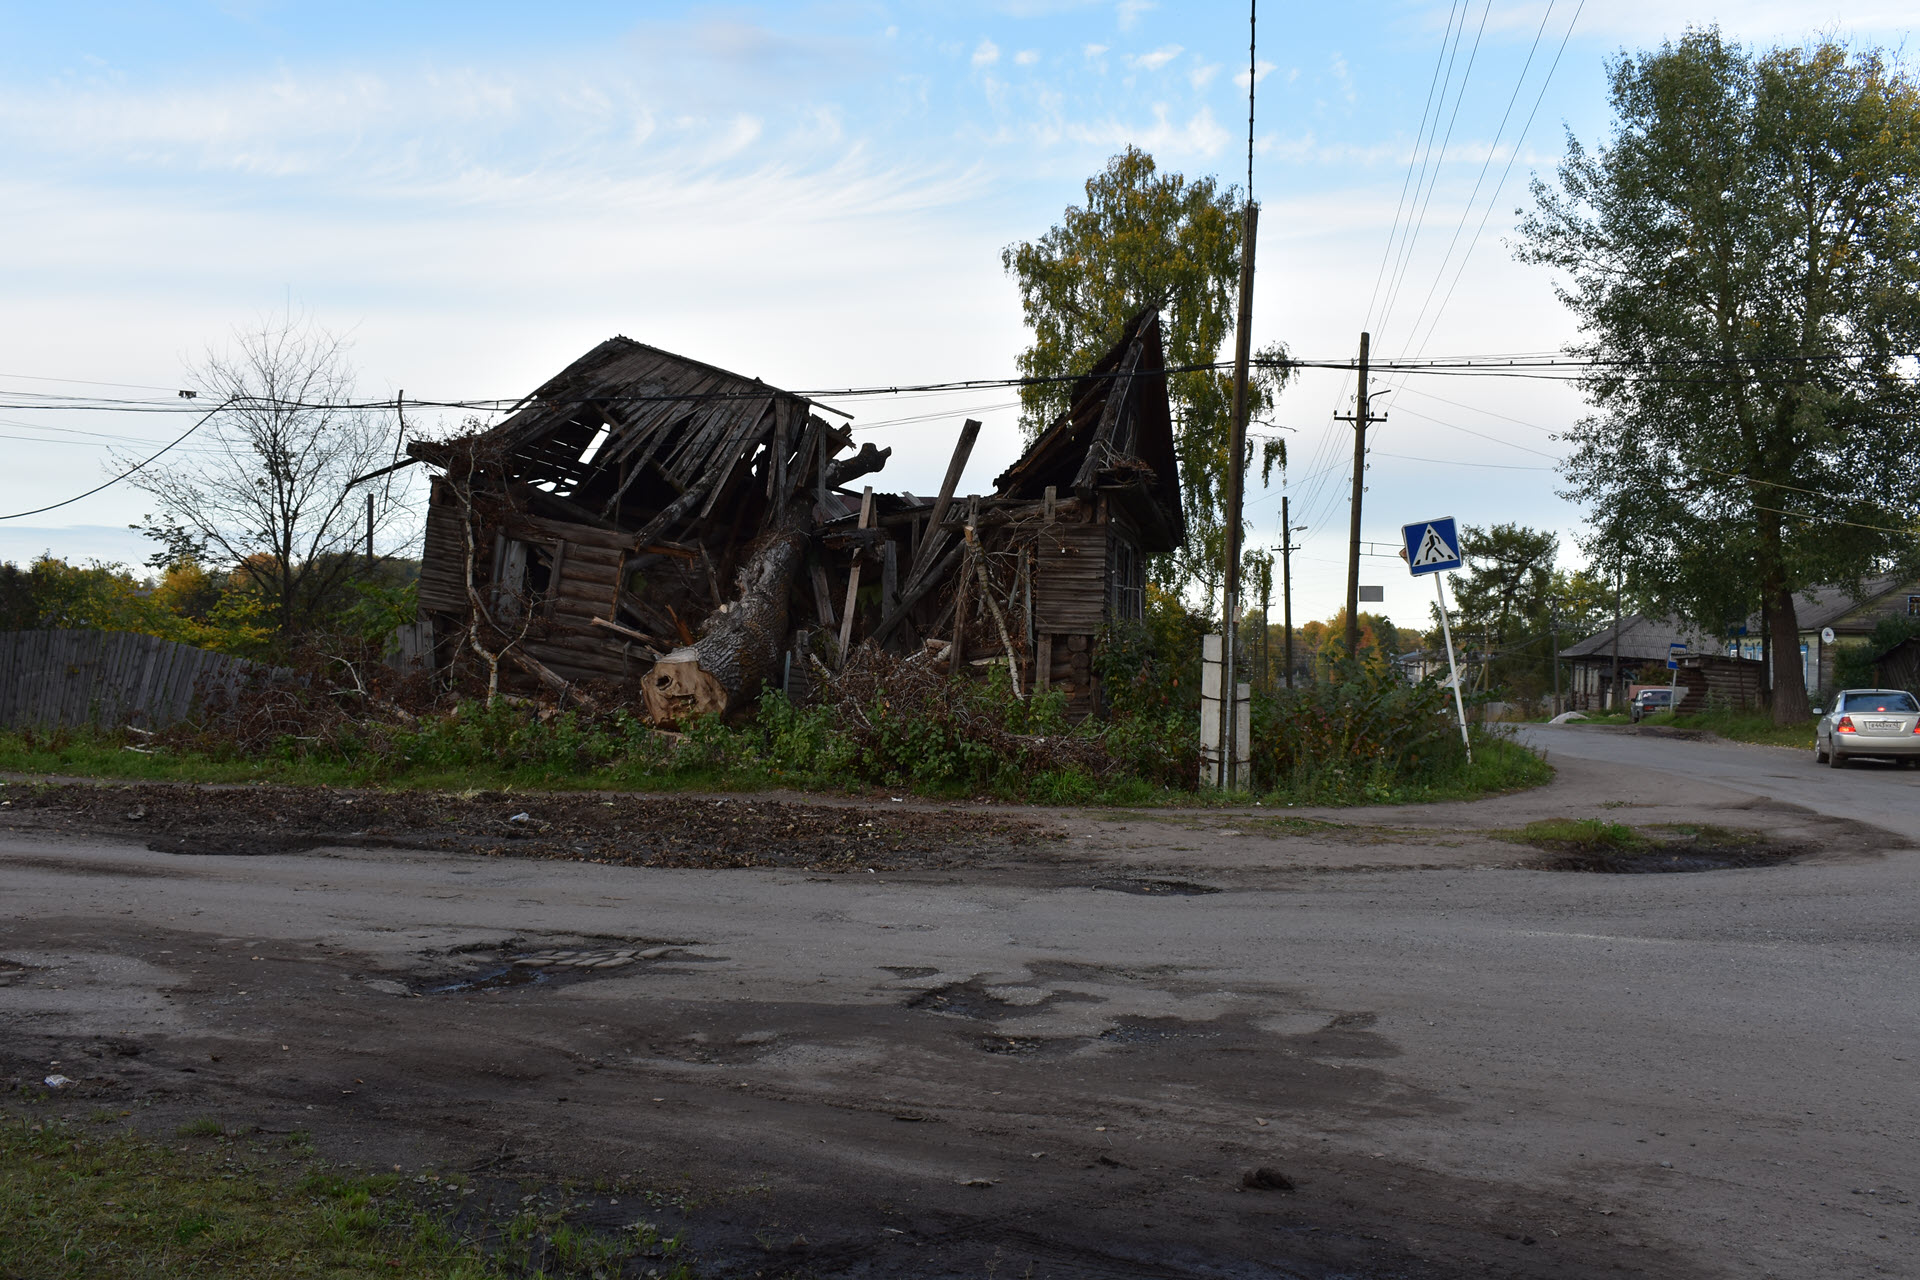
80	1203
96	1206
1499	765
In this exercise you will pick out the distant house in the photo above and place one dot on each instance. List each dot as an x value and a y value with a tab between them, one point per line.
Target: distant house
1642	649
1851	617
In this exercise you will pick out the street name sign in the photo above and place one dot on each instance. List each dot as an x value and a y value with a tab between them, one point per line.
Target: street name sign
1432	545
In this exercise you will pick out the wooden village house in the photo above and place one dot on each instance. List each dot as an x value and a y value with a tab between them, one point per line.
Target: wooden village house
646	522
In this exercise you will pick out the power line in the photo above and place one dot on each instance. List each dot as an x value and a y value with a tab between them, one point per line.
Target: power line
1414	225
138	466
1466	210
1518	142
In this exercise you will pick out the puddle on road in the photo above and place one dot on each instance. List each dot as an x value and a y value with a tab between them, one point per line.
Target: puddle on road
1168	888
492	980
1656	861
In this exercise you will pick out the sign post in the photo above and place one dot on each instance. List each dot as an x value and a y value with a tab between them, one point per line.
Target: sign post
1675	651
1431	547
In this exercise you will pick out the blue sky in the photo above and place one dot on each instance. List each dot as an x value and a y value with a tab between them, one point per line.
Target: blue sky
816	194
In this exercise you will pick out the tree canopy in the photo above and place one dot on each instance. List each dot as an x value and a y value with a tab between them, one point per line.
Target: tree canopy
1146	238
267	496
1743	256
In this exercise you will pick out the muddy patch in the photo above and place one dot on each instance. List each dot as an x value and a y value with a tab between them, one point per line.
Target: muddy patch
1158	887
623	830
977	1000
1613	848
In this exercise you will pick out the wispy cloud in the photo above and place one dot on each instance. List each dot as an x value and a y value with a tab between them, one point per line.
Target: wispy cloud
1128	12
986	53
1202	73
1157	59
1026	57
1199	135
1093	51
1261	70
1337	65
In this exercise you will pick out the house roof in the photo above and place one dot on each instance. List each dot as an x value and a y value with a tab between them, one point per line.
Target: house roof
1823	606
682	422
1116	439
1643	638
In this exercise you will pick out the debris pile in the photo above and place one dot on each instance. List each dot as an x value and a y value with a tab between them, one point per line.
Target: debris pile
643	523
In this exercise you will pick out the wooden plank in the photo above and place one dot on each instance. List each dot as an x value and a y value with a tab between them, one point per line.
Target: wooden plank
962	450
853	577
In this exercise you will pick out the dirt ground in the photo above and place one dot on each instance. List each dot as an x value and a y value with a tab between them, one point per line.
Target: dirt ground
878	1038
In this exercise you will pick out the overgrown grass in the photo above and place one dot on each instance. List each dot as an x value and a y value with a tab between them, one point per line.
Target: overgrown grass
99	1207
1741	726
1499	765
1577	835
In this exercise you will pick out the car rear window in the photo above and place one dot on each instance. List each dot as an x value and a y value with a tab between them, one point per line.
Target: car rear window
1881	702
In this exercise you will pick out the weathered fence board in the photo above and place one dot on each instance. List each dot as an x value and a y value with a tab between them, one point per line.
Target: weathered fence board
104	678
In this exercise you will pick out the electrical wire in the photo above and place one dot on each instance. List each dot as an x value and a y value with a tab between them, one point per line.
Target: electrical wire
137	467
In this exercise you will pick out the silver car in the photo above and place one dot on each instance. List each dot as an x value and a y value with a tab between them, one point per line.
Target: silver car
1869	722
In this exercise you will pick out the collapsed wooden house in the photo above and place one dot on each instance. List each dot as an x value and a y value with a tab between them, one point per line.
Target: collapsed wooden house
644	520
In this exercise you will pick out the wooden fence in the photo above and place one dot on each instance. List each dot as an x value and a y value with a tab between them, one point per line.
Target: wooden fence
104	678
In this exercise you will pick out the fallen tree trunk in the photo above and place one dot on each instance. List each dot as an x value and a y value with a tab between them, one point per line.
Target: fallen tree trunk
738	652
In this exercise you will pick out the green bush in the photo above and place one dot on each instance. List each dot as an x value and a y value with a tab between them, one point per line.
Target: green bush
1350	739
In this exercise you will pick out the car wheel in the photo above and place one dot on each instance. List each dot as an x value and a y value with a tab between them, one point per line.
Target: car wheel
1835	760
1819	756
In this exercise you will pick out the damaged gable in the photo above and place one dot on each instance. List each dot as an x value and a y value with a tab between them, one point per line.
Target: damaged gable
1114	442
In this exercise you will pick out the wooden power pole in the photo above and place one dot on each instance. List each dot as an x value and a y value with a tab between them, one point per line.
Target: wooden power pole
1360	419
1286	583
1236	485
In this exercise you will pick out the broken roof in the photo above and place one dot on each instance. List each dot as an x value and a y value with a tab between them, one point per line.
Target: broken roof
627	421
1115	439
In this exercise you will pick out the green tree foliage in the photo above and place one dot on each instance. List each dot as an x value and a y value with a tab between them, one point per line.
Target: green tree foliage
191	604
1744	260
270	495
1146	238
1511	605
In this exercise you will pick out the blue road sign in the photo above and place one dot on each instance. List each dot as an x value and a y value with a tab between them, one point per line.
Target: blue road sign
1675	652
1432	545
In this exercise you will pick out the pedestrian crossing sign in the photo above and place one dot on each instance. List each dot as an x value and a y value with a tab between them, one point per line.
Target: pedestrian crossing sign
1432	545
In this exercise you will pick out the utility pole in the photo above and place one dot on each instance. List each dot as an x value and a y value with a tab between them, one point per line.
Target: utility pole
1286	583
1613	698
1553	655
1266	623
1236	484
1359	418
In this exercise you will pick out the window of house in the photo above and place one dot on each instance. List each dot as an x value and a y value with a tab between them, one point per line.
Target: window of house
1913	606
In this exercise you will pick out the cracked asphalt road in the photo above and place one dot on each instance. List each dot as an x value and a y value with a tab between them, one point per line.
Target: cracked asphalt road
1064	1061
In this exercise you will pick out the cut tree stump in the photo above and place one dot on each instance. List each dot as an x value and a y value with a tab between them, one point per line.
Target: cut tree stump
738	652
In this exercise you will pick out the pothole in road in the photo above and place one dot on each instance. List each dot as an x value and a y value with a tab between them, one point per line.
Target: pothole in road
1168	888
548	967
491	980
1152	1031
1660	860
973	999
1029	1046
1613	848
